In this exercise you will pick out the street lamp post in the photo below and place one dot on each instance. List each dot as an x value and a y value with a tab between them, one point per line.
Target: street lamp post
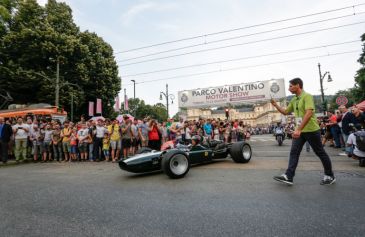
72	106
134	88
321	77
167	96
57	87
72	96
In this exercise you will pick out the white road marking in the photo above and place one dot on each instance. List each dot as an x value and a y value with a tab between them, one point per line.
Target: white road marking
261	140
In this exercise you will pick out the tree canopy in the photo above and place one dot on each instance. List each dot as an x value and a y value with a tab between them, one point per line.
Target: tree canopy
34	39
139	109
359	90
355	94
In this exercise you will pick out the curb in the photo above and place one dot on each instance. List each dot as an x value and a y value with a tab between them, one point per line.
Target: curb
13	163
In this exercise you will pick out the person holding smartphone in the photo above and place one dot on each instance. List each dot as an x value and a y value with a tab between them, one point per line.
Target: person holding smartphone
154	137
20	131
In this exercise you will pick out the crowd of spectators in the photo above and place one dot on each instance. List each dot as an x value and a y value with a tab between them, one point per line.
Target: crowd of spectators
111	140
337	127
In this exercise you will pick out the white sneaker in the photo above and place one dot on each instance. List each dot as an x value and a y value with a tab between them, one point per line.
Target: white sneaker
327	180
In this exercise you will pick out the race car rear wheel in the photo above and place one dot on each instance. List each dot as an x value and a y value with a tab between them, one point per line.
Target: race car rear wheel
175	164
143	150
241	152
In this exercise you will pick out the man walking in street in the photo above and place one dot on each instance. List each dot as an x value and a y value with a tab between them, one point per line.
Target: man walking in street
5	134
307	129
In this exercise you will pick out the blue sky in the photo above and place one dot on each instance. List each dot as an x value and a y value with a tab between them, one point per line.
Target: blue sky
132	24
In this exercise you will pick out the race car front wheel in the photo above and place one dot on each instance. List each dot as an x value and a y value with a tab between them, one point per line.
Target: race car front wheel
241	152
175	164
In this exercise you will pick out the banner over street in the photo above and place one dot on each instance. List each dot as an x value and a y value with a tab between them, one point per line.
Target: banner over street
232	94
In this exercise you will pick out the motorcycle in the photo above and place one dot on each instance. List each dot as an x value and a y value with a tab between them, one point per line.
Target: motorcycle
279	136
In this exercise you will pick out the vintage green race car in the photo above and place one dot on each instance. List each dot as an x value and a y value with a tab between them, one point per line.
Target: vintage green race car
176	162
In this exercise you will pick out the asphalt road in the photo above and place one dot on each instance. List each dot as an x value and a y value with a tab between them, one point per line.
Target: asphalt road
219	199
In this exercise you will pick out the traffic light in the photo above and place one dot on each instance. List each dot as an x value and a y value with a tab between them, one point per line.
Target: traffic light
324	105
227	113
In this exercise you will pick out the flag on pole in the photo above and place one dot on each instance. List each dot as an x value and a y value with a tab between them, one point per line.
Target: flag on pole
117	104
126	106
91	108
98	106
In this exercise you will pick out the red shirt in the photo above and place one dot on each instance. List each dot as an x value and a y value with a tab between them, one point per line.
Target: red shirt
333	118
153	134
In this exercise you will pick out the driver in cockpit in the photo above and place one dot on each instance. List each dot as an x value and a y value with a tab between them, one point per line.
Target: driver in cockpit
196	143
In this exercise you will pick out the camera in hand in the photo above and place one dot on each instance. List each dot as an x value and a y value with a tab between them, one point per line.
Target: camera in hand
20	127
325	119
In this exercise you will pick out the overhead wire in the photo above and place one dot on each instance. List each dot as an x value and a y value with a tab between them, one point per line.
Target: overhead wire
240	28
239	59
240	44
238	37
245	67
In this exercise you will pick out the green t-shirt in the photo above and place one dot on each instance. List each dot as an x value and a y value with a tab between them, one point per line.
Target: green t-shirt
168	125
298	105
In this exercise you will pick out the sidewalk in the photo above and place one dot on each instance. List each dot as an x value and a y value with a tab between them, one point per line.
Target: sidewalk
13	162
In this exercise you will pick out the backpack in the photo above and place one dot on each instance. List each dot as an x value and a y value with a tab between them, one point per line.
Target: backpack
360	140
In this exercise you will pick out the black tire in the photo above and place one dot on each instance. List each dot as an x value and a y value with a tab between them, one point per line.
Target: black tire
175	164
143	150
241	152
362	162
280	140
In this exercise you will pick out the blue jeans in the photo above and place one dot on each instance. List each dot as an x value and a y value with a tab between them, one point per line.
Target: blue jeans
314	139
348	149
335	130
91	151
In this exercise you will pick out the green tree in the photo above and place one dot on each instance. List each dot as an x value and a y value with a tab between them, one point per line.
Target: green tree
355	94
6	9
34	39
359	89
140	110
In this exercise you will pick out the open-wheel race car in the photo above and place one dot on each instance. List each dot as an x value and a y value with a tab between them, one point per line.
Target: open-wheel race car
176	162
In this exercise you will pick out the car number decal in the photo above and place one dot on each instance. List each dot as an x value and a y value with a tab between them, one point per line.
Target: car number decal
206	153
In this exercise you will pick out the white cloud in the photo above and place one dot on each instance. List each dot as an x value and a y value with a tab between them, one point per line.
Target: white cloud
141	8
136	10
167	27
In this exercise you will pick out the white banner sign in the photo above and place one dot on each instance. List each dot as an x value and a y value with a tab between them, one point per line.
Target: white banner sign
233	94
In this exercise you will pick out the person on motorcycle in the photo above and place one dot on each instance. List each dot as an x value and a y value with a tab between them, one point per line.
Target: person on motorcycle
279	130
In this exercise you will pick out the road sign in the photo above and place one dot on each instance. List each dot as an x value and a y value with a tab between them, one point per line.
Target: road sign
342	100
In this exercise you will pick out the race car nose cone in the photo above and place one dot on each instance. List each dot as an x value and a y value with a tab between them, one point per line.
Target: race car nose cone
123	165
140	163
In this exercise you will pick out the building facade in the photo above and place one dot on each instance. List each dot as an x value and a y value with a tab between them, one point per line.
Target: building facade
260	115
